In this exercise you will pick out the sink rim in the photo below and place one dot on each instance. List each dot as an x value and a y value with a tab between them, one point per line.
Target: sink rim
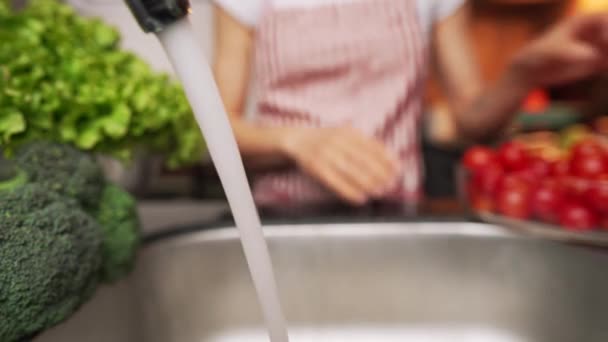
228	232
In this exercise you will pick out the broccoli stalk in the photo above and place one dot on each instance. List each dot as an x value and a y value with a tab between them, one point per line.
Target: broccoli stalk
50	256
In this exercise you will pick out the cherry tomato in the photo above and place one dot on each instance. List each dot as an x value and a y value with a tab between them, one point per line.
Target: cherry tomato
588	166
540	167
514	202
551	182
575	188
603	223
513	181
537	101
560	168
596	197
588	147
546	201
575	216
513	156
478	157
486	179
526	175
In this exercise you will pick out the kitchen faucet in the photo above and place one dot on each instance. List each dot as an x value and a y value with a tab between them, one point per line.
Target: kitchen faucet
155	15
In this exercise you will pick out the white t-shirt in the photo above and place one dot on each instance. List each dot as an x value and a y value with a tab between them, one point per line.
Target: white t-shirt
248	12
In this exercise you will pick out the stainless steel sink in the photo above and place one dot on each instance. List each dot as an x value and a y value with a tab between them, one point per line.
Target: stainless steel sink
365	282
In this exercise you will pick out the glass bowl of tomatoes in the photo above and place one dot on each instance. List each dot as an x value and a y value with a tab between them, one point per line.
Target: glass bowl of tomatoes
542	186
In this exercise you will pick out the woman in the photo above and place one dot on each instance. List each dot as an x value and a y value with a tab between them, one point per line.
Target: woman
340	89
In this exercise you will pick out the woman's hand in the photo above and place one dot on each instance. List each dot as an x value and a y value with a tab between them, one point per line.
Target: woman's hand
355	167
576	49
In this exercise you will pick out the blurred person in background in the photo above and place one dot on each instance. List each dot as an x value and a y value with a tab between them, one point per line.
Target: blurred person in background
340	89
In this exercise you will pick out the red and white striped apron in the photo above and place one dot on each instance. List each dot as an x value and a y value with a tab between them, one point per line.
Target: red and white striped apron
360	63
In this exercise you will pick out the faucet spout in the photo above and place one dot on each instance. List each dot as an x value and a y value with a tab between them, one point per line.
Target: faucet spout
154	15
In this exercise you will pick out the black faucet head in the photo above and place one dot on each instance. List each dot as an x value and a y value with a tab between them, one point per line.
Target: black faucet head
155	15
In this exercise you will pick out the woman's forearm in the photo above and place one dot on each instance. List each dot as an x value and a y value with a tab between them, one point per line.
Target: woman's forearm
479	111
492	111
572	51
261	147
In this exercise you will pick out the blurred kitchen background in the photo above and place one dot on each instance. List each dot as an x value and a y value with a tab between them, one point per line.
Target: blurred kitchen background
498	29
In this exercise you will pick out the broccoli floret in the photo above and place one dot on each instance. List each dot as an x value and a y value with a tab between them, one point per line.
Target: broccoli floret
117	215
18	180
64	170
63	229
10	177
49	260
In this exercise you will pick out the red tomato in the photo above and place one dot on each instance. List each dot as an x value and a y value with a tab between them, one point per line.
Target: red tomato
478	157
513	156
575	188
528	176
560	168
539	167
604	223
546	201
551	182
596	197
588	166
512	181
486	179
576	217
537	101
587	147
514	202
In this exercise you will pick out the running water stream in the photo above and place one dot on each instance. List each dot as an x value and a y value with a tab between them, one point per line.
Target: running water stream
191	67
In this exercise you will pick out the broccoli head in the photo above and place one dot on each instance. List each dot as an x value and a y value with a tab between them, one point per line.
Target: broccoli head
49	260
119	221
63	169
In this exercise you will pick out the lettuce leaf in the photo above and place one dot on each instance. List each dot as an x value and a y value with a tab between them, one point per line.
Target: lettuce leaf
63	77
